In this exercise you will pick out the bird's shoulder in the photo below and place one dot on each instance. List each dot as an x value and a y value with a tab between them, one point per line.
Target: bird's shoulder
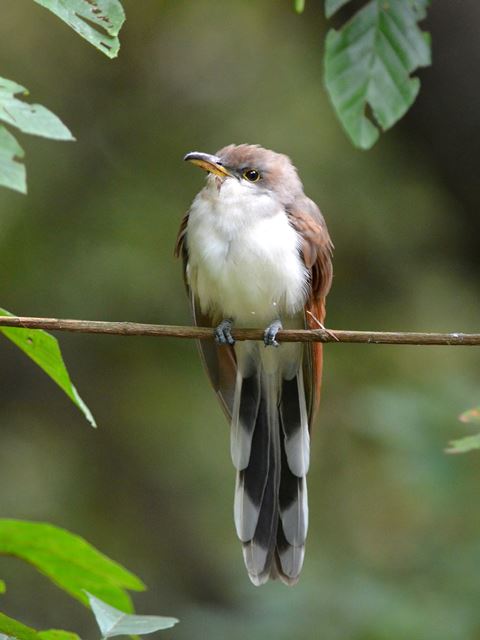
181	240
316	247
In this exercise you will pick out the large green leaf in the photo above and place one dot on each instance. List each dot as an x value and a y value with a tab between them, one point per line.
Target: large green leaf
368	65
14	629
44	350
12	173
29	118
69	561
113	622
11	629
98	21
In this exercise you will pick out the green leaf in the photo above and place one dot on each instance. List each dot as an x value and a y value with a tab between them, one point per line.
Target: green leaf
332	6
43	349
463	445
3	587
29	118
113	622
368	65
12	173
299	5
98	21
14	629
69	561
57	634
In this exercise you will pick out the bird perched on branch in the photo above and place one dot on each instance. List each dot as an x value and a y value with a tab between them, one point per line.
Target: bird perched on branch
257	253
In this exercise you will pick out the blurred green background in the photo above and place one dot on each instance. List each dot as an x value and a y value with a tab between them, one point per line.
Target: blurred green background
394	541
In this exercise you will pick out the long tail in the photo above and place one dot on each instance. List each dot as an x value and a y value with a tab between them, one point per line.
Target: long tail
270	449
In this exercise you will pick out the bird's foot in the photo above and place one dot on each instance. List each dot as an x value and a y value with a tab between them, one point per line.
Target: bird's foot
270	334
223	332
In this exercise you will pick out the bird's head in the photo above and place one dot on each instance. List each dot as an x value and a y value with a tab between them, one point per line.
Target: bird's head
251	169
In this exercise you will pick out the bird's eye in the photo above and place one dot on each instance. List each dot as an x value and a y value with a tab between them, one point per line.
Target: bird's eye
251	175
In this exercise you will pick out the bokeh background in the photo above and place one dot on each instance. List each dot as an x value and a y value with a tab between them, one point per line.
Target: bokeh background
394	541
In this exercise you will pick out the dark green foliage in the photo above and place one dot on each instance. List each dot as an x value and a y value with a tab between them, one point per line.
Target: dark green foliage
69	561
368	64
99	22
78	568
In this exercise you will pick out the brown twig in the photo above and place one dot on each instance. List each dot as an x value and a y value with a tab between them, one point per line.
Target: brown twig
321	326
291	335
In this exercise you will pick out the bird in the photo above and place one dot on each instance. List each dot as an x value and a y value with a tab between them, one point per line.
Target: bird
257	253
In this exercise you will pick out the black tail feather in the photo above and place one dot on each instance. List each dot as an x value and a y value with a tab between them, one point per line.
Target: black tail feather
270	501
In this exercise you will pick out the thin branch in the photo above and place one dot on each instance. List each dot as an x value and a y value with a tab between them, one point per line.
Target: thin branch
291	335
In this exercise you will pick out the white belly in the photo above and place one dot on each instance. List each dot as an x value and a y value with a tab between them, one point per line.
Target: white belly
244	260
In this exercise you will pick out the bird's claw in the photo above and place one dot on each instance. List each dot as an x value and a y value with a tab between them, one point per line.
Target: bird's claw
270	334
223	332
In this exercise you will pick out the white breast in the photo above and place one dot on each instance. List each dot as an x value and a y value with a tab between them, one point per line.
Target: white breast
244	258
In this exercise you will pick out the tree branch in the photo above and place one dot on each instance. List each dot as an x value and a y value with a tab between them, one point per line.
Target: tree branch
291	335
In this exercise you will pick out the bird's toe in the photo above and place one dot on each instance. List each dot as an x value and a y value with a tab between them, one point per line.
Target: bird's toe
223	333
270	334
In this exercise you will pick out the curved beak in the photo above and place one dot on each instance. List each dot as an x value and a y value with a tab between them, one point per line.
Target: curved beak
207	162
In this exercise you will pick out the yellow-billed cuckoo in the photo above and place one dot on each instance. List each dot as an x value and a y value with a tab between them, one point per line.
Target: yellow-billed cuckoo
257	253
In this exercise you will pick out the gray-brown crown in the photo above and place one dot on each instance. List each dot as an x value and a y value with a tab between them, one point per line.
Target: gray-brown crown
277	173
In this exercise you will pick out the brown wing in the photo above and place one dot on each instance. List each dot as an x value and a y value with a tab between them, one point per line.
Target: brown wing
219	361
316	251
